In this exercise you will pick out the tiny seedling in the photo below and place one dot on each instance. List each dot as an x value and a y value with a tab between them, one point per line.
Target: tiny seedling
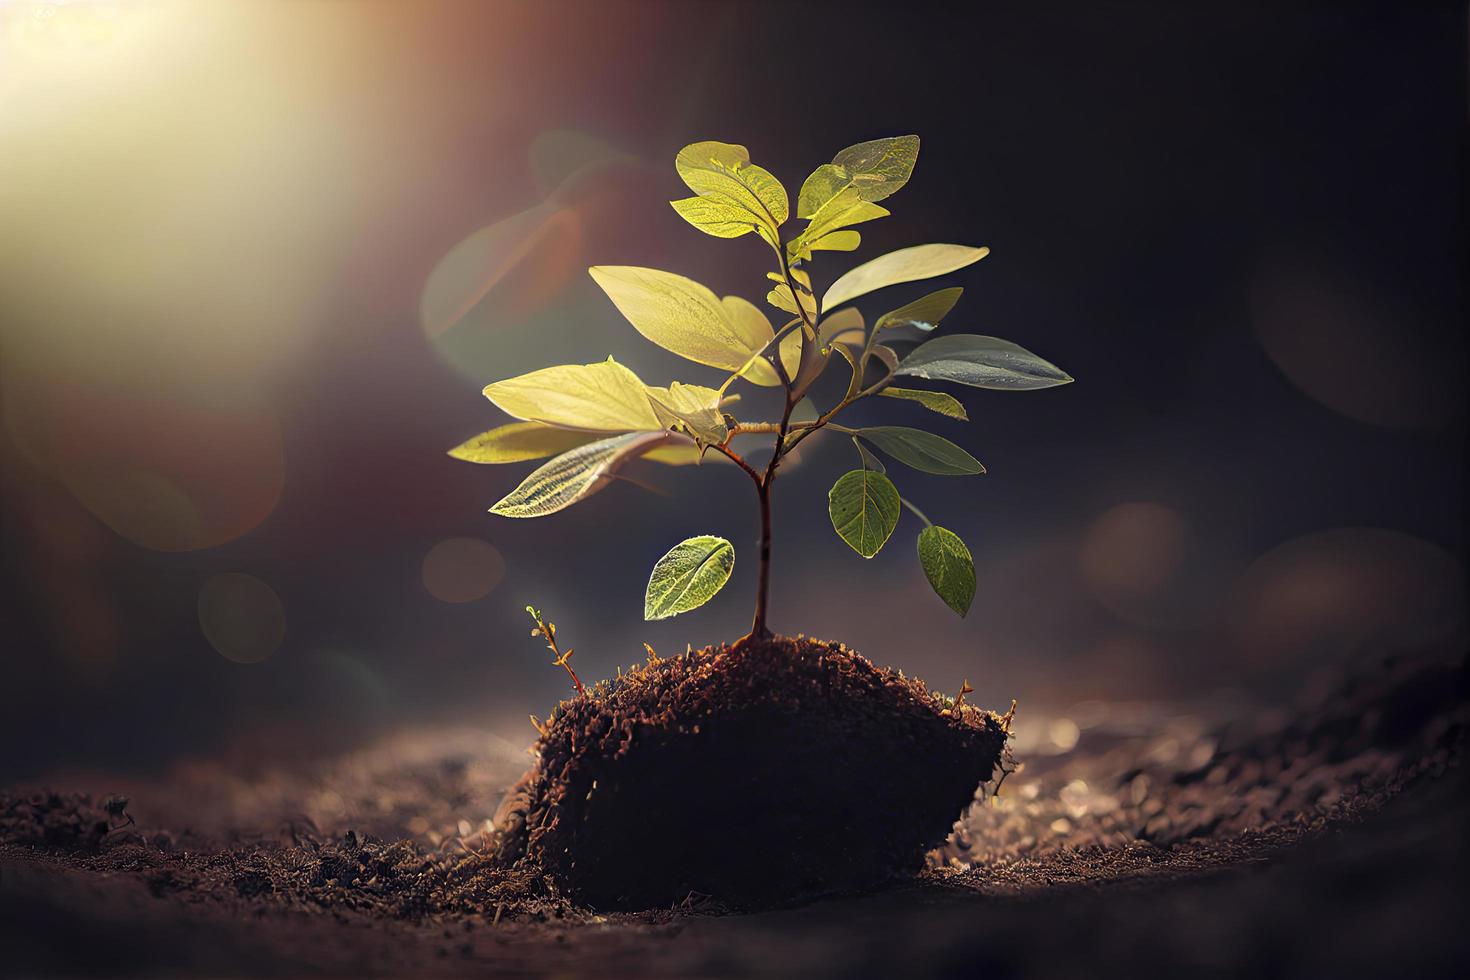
591	419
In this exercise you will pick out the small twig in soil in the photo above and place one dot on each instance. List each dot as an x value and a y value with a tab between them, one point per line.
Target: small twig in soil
548	630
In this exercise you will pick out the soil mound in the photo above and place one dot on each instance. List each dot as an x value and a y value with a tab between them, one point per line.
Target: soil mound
752	774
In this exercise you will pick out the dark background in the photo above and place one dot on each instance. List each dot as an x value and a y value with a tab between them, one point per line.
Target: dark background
1240	227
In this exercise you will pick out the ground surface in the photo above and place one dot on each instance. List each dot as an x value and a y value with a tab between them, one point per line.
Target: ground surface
1141	838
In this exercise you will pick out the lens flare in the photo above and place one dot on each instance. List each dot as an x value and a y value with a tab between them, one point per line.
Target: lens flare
242	617
462	569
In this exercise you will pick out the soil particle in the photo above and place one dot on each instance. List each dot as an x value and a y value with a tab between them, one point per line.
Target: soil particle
749	775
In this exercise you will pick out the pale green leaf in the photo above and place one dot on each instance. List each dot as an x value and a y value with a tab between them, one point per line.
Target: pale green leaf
923	313
723	173
904	265
601	397
935	401
520	441
922	450
837	241
863	505
948	567
824	184
982	362
880	167
678	454
691	409
688	576
838	328
574	475
682	316
804	411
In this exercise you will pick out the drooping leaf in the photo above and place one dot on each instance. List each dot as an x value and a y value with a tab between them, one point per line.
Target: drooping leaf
682	316
875	169
723	173
520	441
601	397
574	475
935	401
923	313
804	411
863	505
948	567
982	362
886	356
688	576
855	382
904	265
922	450
691	409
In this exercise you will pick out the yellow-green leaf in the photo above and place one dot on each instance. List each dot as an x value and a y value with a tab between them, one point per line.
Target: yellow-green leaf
682	316
845	209
781	296
837	241
716	217
573	476
688	576
691	409
602	397
863	505
520	441
875	169
935	401
923	313
948	566
904	265
723	173
679	454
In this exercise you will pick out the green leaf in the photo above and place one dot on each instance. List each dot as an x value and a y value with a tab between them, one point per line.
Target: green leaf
863	505
680	315
874	169
723	174
602	397
935	401
688	576
904	265
948	566
574	475
691	409
982	362
923	313
520	441
922	450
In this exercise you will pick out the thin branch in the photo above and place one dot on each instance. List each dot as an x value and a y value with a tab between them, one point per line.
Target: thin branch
917	512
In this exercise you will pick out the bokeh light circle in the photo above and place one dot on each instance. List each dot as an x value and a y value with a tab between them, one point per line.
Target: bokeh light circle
242	617
462	569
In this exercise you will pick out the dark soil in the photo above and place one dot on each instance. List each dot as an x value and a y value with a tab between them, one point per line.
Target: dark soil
1167	841
749	775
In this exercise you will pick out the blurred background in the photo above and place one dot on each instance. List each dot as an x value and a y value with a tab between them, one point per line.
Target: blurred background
258	260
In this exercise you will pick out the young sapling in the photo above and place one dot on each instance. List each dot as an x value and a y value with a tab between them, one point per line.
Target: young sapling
591	419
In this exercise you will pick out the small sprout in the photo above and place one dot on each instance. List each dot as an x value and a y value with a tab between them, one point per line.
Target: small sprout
965	688
540	728
548	630
653	658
